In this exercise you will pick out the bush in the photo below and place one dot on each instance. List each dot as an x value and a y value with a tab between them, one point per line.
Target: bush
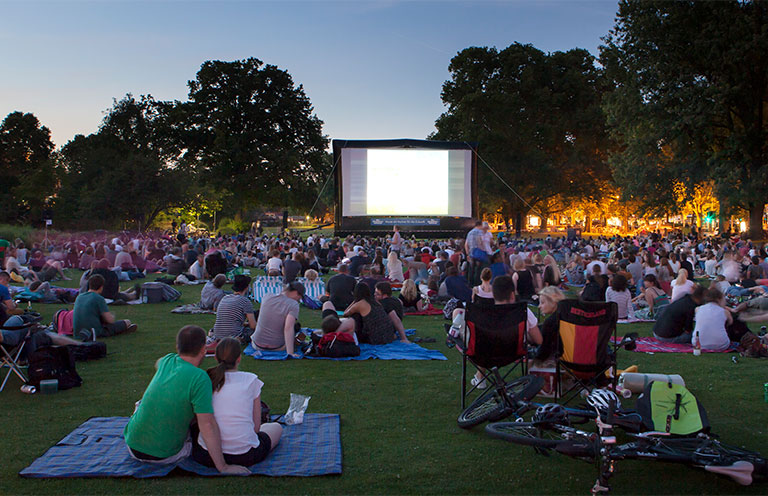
233	226
27	234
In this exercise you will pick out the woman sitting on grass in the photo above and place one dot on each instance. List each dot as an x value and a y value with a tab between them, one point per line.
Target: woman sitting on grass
367	318
410	297
682	285
483	293
653	296
711	321
237	409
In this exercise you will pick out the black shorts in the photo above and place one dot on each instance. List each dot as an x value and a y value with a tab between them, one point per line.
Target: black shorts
328	312
250	457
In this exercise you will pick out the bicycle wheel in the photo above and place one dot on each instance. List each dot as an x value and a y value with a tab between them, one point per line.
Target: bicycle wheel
491	406
700	451
564	439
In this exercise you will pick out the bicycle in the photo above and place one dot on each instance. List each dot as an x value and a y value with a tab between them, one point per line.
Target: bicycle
705	451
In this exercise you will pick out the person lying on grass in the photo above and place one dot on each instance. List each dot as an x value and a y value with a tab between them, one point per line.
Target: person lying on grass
237	410
180	393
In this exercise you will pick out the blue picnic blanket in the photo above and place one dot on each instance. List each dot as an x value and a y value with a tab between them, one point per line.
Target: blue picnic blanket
392	351
97	449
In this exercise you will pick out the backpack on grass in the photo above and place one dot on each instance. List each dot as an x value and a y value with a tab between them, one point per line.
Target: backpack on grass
54	362
671	408
334	345
63	322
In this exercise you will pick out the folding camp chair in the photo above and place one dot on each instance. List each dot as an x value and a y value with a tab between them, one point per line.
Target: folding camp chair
495	337
583	354
9	357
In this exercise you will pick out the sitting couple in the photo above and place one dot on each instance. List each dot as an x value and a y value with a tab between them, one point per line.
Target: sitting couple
372	321
215	417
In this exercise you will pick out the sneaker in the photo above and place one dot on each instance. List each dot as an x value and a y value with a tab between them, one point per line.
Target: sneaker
479	384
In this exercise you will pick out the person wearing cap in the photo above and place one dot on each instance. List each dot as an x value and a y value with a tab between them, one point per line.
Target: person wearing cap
234	315
278	315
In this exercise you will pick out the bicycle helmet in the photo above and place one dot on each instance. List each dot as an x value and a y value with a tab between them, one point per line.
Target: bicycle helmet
551	413
602	399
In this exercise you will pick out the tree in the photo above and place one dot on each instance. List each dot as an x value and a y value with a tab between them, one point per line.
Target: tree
251	130
27	168
690	99
537	118
120	174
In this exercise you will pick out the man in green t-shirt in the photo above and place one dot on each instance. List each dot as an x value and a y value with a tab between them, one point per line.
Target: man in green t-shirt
92	319
180	392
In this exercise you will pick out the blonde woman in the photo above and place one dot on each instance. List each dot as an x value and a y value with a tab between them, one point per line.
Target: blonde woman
395	267
311	275
410	297
549	297
681	286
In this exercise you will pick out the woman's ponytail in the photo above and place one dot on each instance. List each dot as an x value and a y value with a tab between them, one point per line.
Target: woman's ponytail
227	352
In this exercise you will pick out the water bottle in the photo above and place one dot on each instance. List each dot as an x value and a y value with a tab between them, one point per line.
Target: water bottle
696	345
762	331
30	389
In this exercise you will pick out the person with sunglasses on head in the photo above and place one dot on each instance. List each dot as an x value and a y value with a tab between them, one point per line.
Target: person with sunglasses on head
278	315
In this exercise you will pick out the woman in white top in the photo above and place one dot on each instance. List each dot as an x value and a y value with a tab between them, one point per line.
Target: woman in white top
619	293
681	286
394	267
274	264
237	409
711	321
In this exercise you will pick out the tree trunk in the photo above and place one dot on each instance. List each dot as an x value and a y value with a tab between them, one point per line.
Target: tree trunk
543	224
588	224
756	220
722	218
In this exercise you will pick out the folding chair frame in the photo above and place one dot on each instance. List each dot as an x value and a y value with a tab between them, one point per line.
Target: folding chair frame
491	374
10	360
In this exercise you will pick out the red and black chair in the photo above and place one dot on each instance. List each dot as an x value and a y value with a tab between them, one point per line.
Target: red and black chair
495	337
585	352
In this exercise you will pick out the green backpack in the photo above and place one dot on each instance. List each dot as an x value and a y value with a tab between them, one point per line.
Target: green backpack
671	408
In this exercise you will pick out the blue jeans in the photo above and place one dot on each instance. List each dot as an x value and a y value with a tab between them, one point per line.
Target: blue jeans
12	339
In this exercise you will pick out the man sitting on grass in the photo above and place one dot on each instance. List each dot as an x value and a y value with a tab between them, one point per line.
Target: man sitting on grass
92	319
179	393
234	314
278	315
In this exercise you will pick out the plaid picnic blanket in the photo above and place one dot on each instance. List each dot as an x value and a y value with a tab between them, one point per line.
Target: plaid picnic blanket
97	449
653	345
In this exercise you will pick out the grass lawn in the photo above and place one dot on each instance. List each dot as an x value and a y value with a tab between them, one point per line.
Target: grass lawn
398	420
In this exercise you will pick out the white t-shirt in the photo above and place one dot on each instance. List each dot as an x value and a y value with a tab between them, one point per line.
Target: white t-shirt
196	269
274	263
233	410
710	326
678	291
591	265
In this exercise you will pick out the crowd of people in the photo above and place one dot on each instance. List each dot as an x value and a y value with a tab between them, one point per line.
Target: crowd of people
693	288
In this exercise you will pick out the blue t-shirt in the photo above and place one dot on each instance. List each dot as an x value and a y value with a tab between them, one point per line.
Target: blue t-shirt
5	294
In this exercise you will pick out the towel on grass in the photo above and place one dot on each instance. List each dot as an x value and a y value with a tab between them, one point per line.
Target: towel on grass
653	345
97	449
427	311
191	308
392	351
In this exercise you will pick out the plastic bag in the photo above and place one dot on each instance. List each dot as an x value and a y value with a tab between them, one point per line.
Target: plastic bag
295	413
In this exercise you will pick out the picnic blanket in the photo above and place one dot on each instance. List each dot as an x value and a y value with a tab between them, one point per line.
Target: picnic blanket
191	308
97	449
634	321
427	311
653	345
392	351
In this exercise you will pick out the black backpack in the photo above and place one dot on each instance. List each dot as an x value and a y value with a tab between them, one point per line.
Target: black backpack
53	362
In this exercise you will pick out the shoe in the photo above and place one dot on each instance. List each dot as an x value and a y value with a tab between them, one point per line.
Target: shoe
479	384
131	328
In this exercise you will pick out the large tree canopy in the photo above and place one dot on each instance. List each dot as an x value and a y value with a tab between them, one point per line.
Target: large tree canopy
251	130
120	174
690	100
27	168
538	119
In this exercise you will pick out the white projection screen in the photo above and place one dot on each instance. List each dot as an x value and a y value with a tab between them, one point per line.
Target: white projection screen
406	182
